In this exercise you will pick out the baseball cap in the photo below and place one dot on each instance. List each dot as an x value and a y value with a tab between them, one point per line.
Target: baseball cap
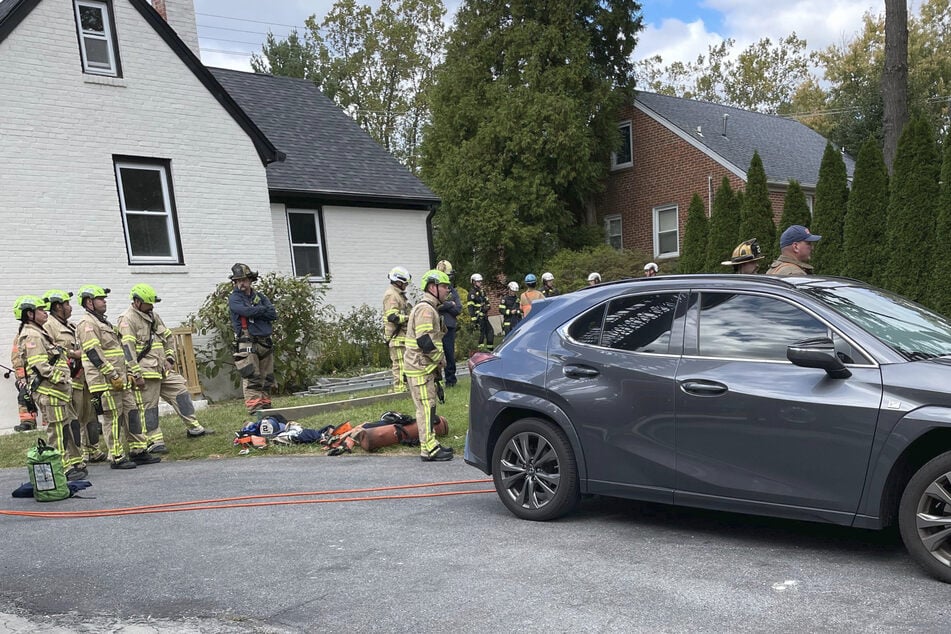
797	233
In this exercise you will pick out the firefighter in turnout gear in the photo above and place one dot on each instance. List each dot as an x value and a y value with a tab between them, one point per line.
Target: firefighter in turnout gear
47	372
395	316
25	404
425	360
510	309
548	285
86	430
479	305
104	364
449	310
252	314
530	294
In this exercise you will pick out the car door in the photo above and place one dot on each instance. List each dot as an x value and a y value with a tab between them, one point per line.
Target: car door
753	427
612	371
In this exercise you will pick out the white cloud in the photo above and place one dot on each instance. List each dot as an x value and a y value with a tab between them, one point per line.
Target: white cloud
675	40
225	60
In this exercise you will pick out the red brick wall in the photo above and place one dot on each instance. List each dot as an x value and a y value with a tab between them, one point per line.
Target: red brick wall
667	170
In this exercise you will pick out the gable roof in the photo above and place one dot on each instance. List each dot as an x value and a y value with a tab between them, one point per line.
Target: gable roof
328	153
789	149
12	13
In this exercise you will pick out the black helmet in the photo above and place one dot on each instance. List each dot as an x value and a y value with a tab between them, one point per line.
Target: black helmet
239	271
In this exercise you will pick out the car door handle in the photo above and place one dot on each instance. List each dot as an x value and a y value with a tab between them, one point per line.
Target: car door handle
703	388
580	372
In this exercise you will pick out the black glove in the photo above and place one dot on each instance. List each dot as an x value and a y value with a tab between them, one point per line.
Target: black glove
440	393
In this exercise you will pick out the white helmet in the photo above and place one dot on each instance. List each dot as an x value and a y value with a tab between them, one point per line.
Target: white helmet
475	277
399	274
594	277
651	266
513	286
548	277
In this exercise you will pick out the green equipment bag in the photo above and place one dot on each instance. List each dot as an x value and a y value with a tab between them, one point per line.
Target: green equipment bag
46	473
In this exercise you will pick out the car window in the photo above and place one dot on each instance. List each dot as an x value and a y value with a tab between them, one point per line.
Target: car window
587	328
640	323
739	326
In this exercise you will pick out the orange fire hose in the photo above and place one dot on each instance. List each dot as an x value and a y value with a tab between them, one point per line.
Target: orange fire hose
205	505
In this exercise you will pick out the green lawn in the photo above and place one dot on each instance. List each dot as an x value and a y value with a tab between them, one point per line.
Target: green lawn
230	416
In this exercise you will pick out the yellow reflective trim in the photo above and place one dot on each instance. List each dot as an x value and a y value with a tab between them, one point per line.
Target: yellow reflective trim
420	328
91	343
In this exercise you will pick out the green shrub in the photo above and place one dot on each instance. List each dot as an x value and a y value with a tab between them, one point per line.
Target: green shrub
352	342
571	268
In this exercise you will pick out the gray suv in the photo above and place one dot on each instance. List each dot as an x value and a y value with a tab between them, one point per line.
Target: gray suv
812	398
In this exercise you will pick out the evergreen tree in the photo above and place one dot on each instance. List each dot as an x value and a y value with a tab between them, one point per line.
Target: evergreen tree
756	215
912	207
694	250
828	215
940	289
795	212
724	221
524	118
866	216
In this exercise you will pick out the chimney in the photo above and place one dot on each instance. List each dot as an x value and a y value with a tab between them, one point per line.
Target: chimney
159	5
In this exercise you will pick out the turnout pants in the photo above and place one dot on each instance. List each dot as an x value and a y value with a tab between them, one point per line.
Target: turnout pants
396	359
486	335
89	430
145	411
257	373
115	405
423	391
62	430
175	392
449	348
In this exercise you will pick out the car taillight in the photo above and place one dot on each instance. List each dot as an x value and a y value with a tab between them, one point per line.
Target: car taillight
479	358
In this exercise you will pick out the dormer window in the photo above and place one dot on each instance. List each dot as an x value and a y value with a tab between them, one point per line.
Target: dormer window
97	37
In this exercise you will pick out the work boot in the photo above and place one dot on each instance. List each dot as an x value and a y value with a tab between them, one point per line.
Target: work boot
122	463
76	473
25	427
198	432
145	458
441	454
97	457
158	447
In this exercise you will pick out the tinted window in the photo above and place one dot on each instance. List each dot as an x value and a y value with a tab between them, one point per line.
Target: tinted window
752	327
587	328
640	324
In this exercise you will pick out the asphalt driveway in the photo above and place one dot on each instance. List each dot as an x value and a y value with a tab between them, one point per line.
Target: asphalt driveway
459	563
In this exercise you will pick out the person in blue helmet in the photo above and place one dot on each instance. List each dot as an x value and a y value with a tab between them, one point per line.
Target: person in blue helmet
530	295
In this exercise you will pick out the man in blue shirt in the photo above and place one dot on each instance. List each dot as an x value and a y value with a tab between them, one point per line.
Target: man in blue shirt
251	317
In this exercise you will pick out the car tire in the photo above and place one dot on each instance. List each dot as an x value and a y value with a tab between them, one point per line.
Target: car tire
535	471
924	517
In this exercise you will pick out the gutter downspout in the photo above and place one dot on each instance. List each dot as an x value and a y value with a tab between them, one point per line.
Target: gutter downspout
709	195
429	234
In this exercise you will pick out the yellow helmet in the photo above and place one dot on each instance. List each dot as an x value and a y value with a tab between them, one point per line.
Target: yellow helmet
433	276
27	302
748	251
445	266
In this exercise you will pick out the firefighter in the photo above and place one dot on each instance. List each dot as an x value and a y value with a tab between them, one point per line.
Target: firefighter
252	314
449	310
651	269
509	308
530	295
104	364
47	372
425	360
745	257
86	429
478	305
395	315
25	404
548	285
594	278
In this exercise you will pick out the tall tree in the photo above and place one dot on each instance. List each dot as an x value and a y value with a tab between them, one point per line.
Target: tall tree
866	216
795	212
895	75
523	123
724	224
912	207
756	215
375	64
940	289
828	214
694	250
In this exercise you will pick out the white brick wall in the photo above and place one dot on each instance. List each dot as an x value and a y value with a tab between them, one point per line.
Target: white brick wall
360	252
59	130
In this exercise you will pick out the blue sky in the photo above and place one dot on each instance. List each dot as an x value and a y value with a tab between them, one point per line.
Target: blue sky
678	30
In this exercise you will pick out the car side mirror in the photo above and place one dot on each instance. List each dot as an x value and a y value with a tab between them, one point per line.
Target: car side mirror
818	353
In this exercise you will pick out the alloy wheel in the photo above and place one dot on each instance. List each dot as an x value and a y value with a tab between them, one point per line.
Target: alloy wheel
933	519
530	470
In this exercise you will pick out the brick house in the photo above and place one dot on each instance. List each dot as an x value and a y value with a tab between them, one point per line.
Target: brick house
125	160
673	148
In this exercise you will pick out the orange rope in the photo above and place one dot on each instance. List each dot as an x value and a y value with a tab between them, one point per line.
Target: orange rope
203	505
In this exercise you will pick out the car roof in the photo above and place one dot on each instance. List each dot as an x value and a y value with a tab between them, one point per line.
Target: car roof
731	279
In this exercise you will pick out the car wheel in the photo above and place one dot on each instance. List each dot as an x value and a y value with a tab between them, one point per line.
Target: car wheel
535	471
924	517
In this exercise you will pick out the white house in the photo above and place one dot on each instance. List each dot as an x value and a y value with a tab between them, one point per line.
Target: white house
124	160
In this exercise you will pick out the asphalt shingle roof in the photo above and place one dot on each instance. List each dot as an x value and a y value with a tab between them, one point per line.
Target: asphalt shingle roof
6	6
327	152
789	149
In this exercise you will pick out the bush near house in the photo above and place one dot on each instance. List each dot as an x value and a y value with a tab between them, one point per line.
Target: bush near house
571	268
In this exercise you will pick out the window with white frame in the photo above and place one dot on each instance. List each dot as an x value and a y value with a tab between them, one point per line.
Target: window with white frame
148	211
666	231
624	156
307	251
612	231
97	41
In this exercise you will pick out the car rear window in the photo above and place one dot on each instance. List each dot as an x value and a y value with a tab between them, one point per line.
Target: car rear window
587	328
